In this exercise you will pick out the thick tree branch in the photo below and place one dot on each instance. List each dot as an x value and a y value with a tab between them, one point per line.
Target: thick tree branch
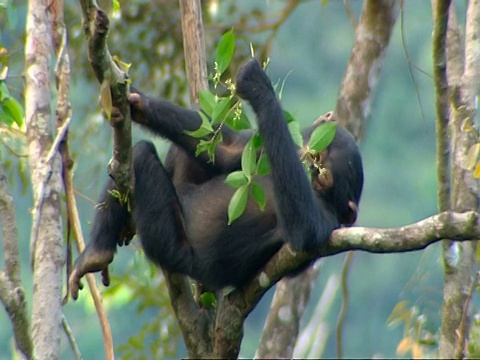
442	106
12	294
194	47
196	324
372	36
281	328
446	225
237	305
46	183
460	258
96	25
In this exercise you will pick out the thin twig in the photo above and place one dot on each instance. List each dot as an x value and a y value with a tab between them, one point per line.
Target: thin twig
462	328
71	339
344	309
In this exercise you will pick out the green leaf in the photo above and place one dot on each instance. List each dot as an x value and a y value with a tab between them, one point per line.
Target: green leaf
257	141
221	109
239	123
125	67
202	146
4	93
288	117
322	136
249	157
207	101
237	204
204	129
116	6
225	50
4	55
258	194
4	117
236	179
294	128
13	108
208	300
263	165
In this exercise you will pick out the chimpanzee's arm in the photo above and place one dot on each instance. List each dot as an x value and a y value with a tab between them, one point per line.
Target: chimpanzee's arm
307	220
171	121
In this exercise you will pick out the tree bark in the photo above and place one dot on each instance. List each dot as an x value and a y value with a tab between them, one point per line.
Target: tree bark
281	328
12	294
460	258
47	240
194	47
366	62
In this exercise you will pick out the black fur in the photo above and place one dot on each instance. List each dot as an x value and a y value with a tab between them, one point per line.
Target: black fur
181	208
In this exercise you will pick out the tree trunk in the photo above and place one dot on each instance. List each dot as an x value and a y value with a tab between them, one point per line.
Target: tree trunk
366	62
46	238
460	258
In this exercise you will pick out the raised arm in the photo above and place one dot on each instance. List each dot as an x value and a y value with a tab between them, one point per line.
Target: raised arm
170	121
306	219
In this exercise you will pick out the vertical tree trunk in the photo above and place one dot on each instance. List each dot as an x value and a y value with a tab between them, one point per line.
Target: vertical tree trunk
460	258
47	186
194	47
12	293
366	62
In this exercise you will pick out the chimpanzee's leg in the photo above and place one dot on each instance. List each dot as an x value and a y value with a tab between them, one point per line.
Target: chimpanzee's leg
158	219
111	227
158	213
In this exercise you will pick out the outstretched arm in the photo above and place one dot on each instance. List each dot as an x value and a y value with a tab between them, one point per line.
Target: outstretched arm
306	220
171	121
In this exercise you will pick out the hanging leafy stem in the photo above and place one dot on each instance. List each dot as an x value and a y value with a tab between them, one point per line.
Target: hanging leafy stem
243	180
313	154
218	111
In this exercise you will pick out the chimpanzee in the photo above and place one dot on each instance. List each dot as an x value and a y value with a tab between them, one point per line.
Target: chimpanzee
180	209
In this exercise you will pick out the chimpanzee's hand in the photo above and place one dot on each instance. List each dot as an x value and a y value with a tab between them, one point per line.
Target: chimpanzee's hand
252	82
138	107
90	260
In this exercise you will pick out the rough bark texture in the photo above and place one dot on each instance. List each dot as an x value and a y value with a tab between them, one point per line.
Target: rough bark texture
235	307
47	186
194	47
281	328
366	62
196	323
12	294
460	258
96	25
442	106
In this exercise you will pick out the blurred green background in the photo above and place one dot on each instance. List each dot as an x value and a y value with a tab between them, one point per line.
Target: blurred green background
313	47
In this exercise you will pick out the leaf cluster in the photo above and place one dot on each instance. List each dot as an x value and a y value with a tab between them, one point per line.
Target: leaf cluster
218	111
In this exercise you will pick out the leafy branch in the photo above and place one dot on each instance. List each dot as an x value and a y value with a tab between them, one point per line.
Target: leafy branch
227	110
